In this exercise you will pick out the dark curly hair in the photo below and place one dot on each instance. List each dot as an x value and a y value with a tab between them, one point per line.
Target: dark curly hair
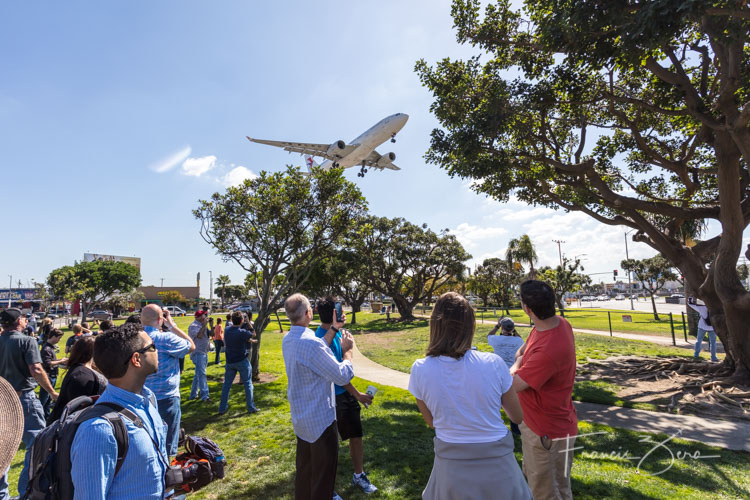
113	349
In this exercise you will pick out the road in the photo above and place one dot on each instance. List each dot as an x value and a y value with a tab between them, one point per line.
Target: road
638	305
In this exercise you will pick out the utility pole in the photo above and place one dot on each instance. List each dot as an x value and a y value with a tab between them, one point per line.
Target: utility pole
559	249
630	286
162	282
10	289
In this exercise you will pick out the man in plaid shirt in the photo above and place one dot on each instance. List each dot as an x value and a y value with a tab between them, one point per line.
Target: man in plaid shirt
312	369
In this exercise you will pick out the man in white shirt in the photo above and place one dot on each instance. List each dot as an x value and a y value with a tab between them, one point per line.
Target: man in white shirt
311	370
704	325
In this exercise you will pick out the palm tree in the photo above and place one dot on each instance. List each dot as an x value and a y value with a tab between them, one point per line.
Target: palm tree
522	250
221	282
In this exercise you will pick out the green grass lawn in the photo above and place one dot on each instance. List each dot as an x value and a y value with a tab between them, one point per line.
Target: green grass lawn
595	319
398	446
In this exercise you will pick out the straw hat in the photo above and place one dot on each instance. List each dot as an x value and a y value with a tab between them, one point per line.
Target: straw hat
11	423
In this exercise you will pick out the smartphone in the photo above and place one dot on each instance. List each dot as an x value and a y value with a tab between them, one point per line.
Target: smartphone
339	312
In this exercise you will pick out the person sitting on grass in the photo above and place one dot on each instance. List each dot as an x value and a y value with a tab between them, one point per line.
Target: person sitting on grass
238	341
348	398
460	392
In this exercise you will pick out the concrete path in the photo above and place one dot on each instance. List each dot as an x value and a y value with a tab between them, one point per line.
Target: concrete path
712	432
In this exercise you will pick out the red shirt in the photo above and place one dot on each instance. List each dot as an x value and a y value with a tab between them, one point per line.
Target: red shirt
549	367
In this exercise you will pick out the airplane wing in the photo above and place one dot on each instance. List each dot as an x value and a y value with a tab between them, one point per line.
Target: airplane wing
307	148
376	160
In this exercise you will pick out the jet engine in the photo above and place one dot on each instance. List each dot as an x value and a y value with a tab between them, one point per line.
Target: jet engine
386	159
336	148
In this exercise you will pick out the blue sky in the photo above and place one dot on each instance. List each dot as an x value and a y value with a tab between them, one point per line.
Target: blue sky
116	117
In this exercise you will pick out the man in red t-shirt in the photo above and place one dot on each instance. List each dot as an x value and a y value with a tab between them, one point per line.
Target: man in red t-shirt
543	377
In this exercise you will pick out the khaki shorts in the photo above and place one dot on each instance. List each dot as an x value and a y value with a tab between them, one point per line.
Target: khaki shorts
547	465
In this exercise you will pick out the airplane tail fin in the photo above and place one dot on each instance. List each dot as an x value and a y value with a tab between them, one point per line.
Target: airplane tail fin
310	162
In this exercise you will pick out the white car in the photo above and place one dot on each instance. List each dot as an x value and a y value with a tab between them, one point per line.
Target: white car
175	311
620	297
603	298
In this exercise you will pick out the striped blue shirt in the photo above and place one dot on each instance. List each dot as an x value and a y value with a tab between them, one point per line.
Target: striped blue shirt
311	370
94	452
170	348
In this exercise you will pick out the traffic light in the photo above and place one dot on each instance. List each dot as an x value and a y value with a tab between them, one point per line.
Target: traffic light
614	272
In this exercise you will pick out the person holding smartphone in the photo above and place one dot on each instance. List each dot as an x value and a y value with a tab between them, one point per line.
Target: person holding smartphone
704	326
348	397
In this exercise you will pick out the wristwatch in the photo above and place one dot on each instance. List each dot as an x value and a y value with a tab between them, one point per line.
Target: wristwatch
335	330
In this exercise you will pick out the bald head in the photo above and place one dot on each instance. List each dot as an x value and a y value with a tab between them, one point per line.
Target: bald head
150	315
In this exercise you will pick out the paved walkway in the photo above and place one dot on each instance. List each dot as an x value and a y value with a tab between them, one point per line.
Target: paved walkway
719	433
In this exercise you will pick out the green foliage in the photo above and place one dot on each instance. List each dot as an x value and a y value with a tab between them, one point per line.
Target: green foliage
495	278
521	251
171	297
406	261
93	282
564	279
634	114
653	273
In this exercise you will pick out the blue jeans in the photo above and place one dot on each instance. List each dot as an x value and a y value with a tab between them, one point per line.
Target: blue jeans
200	382
711	342
243	368
45	398
33	423
171	413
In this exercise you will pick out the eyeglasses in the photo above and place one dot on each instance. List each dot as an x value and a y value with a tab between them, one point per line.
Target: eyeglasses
149	348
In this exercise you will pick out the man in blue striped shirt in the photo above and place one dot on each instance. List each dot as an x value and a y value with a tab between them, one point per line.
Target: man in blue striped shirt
171	346
126	356
312	369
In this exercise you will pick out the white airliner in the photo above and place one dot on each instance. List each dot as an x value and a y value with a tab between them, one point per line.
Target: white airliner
360	152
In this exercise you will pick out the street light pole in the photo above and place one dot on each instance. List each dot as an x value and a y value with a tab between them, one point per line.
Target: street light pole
10	289
559	249
630	286
211	290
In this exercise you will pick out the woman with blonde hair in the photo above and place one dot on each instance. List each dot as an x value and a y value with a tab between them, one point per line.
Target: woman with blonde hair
460	392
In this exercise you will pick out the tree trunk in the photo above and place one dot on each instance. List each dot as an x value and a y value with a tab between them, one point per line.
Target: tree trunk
692	317
405	308
261	321
653	304
561	306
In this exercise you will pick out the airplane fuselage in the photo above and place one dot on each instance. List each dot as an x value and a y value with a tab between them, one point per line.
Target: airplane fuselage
366	143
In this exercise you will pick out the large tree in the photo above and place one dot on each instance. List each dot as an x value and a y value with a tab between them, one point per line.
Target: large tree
277	226
93	283
633	113
406	261
564	279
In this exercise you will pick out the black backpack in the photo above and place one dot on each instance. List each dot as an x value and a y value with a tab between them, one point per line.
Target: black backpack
50	464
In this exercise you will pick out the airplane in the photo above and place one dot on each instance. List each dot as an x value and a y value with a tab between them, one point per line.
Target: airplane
361	151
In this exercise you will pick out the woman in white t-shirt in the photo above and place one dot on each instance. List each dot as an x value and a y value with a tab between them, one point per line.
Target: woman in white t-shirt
460	392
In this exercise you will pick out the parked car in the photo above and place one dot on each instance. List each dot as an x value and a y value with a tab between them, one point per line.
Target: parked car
620	297
99	314
175	311
603	298
247	308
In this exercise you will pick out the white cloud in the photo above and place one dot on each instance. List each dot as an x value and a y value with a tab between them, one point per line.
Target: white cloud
198	166
468	234
237	175
171	161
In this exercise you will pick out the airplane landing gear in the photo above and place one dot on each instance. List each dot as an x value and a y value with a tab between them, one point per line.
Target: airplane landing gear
362	171
393	137
335	164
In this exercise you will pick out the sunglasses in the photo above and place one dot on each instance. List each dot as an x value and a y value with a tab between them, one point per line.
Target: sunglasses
149	348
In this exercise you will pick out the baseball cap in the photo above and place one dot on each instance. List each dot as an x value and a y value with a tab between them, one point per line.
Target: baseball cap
199	313
507	324
10	315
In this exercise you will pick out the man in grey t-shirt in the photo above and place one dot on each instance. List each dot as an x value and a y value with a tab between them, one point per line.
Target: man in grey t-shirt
21	366
198	332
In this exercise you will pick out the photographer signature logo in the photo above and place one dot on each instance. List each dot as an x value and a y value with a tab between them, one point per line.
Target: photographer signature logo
625	455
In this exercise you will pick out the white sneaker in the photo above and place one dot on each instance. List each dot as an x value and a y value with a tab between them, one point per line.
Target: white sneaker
363	482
